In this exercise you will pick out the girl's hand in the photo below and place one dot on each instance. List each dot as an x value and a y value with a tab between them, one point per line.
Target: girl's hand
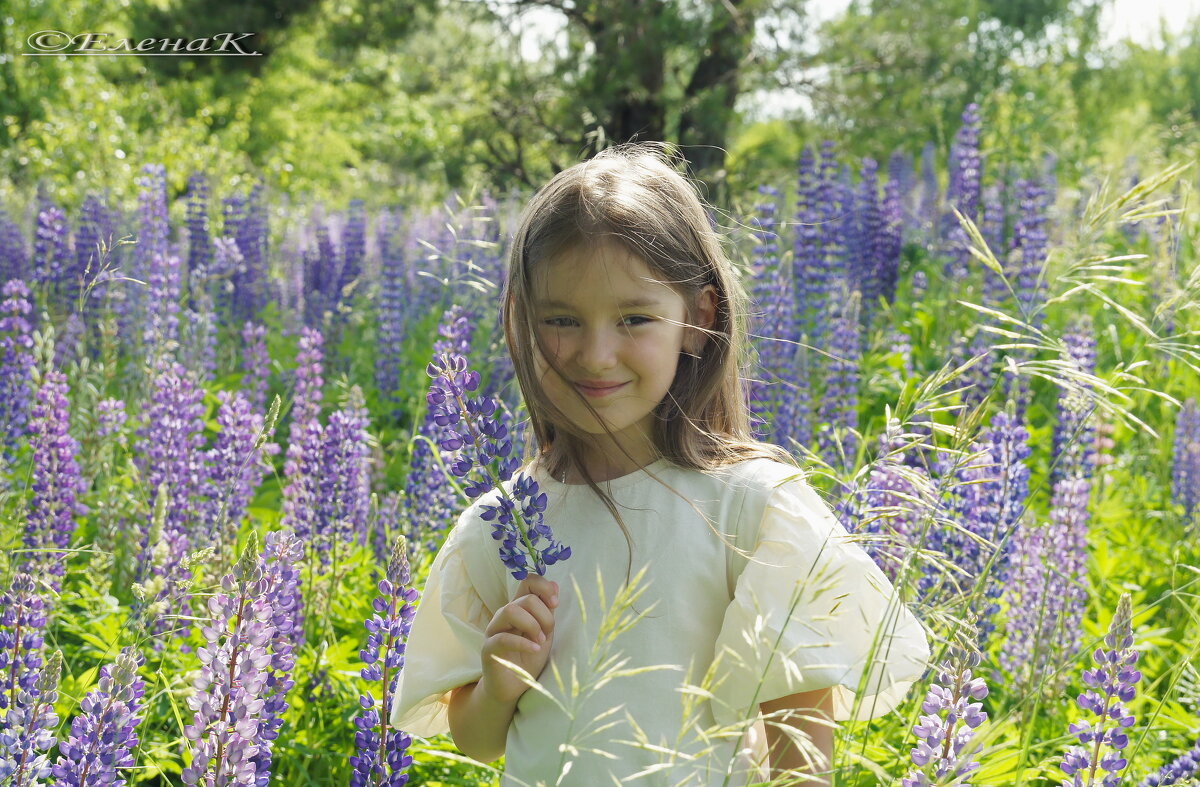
521	632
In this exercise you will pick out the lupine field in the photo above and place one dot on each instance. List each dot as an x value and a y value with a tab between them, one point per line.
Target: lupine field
237	425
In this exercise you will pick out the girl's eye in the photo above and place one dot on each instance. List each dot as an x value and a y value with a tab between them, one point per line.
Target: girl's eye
564	322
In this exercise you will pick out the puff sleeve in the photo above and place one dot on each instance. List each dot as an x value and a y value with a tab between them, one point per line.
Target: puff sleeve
810	611
443	651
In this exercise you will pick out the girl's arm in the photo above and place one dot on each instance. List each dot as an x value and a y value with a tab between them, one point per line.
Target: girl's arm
479	723
521	633
811	713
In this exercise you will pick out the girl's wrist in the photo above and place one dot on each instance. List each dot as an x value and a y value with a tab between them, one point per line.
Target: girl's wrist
500	703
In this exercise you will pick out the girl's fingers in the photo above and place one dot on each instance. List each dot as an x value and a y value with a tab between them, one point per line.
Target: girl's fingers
508	642
542	613
541	587
516	617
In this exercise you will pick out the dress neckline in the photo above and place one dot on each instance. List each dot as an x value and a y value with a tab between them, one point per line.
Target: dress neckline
545	481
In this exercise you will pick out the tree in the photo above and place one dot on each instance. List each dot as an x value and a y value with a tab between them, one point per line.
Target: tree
632	70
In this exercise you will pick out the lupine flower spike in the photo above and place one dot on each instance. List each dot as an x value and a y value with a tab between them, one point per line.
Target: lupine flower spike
29	730
104	735
1112	685
948	725
229	703
482	442
382	753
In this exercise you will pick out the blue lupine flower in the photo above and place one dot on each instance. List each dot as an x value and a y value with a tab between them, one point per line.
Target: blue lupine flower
381	753
948	725
1112	684
57	483
480	450
104	734
1185	474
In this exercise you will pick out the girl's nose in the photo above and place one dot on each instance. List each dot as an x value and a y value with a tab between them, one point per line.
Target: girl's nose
598	349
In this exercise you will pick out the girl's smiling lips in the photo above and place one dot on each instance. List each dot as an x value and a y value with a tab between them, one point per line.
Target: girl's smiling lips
598	387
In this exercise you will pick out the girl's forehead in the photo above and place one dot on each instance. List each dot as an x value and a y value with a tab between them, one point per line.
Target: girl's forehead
597	270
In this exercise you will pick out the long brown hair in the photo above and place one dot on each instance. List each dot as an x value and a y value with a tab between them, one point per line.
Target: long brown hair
632	194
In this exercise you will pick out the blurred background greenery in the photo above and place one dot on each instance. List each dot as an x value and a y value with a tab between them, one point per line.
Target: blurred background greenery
400	100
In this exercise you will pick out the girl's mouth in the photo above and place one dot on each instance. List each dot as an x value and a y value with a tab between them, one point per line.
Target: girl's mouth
597	393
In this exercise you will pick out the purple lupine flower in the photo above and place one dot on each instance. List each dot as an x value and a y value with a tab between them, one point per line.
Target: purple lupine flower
900	170
57	483
1048	591
50	260
199	253
430	501
309	382
22	620
480	450
992	227
345	491
890	241
977	381
1029	244
70	342
162	304
386	517
892	504
807	257
948	725
110	417
104	734
826	277
1007	442
303	464
867	259
94	251
237	465
920	285
1113	683
963	192
171	442
382	753
773	305
839	403
1177	771
92	215
354	245
153	232
322	264
250	287
1185	474
930	201
1027	260
220	259
228	704
392	309
282	552
16	363
170	458
14	258
28	730
793	422
1074	434
256	364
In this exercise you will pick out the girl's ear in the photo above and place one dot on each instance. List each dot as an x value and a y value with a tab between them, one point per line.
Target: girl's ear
706	315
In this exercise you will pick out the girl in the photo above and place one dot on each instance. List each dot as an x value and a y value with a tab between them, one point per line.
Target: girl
709	586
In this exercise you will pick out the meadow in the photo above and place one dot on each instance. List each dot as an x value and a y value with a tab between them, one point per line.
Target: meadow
223	480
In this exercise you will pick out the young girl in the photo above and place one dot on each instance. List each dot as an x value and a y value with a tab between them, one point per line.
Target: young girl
742	595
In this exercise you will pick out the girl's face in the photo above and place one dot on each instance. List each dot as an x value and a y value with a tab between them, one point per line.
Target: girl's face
616	331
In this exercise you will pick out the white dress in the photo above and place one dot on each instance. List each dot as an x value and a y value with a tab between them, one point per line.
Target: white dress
665	701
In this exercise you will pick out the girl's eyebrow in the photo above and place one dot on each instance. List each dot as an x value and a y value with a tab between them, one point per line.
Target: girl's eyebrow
633	303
